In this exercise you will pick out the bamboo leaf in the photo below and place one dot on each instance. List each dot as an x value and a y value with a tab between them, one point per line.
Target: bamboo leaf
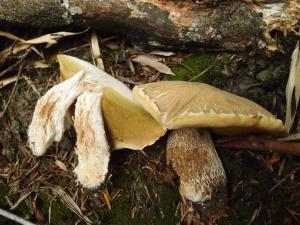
293	89
154	63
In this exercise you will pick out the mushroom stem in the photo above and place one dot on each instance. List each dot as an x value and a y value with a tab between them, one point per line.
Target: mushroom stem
92	146
193	157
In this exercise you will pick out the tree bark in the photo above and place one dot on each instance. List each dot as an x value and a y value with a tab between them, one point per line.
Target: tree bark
233	25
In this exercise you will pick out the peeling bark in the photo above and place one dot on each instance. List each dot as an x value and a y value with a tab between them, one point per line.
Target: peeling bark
228	25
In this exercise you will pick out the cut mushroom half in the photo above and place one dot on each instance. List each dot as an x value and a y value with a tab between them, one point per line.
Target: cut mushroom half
95	91
48	121
125	121
179	104
92	147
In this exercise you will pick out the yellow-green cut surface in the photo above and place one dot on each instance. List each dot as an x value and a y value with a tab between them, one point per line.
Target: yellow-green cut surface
128	124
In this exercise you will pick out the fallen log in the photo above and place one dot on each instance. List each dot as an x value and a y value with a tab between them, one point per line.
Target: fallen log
225	25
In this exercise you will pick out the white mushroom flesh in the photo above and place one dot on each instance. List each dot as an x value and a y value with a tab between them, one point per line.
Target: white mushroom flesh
92	146
48	122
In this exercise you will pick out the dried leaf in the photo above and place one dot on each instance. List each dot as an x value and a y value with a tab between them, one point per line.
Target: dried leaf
22	44
95	48
10	36
113	45
154	63
7	81
37	212
161	53
290	137
70	203
40	65
106	198
293	89
50	38
61	165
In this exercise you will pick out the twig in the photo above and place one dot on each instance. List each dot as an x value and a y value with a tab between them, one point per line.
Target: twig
3	72
31	84
20	200
283	179
207	69
14	217
96	52
13	91
10	68
260	143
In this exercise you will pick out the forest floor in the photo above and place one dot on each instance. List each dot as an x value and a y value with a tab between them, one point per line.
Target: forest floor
263	188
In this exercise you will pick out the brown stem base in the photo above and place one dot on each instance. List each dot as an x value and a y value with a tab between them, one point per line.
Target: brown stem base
193	157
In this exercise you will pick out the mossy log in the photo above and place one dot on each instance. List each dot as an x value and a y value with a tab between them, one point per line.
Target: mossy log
225	25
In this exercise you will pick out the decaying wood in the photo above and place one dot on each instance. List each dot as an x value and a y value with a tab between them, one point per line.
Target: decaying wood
229	25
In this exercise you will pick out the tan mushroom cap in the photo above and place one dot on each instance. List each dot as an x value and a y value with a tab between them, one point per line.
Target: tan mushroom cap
178	104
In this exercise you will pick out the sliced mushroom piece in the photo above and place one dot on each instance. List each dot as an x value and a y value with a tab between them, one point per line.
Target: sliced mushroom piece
127	124
70	65
125	121
48	121
179	104
92	147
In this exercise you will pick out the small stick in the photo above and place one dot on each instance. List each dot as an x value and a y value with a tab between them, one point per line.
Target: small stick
14	217
13	91
260	143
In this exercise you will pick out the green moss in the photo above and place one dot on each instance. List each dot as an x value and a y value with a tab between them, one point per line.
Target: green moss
59	212
288	42
207	68
23	210
4	190
159	210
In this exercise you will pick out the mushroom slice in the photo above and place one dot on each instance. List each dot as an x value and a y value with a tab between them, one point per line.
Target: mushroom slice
127	124
92	146
48	121
179	104
200	177
70	65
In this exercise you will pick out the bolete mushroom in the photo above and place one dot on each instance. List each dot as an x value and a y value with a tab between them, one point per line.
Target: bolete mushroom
182	107
98	94
124	119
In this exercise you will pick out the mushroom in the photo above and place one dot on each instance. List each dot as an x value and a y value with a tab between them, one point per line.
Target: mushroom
95	91
183	107
125	120
92	147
